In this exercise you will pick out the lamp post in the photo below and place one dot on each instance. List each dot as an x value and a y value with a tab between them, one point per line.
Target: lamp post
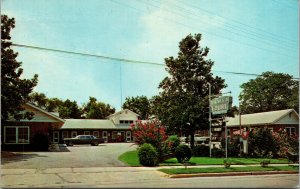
209	96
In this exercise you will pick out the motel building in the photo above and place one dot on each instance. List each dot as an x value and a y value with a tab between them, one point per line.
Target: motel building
19	134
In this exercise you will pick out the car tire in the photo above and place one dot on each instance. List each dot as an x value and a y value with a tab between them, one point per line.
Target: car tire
95	143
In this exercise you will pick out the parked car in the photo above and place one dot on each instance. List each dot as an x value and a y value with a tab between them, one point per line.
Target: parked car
83	139
199	140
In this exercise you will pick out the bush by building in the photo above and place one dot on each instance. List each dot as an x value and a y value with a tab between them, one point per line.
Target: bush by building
200	151
148	155
183	153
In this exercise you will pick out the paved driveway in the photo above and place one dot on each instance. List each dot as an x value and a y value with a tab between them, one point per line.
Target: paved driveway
104	155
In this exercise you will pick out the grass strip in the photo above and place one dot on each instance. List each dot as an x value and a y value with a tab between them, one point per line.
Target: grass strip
219	161
224	170
130	158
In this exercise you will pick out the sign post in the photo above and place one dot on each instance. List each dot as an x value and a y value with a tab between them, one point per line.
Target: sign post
220	106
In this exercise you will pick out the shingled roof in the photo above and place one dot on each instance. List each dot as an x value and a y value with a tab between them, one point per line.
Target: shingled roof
91	124
288	116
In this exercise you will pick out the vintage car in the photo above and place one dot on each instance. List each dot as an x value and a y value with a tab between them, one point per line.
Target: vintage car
83	139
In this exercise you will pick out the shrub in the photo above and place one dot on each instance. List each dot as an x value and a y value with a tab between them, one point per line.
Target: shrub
265	163
227	163
41	142
171	144
183	153
262	143
147	154
200	151
216	152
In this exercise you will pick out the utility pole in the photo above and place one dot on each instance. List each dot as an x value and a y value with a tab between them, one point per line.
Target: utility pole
209	93
240	122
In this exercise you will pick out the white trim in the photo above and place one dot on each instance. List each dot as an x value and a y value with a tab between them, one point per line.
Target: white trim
17	134
113	136
48	113
288	130
128	136
55	139
72	134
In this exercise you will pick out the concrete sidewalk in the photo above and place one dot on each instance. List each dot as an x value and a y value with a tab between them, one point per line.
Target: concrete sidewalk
92	176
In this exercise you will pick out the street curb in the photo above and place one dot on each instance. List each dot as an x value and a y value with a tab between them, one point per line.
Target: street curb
232	174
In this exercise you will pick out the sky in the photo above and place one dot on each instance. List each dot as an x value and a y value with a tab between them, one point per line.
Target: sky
247	36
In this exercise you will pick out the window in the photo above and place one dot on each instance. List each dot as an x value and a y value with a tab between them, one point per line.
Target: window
121	121
65	134
96	134
16	135
114	134
126	122
86	132
74	134
104	134
55	136
290	130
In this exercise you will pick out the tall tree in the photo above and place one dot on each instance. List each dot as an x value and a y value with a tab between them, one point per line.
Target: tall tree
139	105
38	99
268	92
183	102
97	110
69	109
15	90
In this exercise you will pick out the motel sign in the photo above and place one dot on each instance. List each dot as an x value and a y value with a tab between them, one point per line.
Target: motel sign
221	105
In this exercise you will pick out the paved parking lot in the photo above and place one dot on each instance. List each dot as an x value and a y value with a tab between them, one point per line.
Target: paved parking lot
79	156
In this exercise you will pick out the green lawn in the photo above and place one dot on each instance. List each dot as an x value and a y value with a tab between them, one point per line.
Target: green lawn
219	161
131	158
231	169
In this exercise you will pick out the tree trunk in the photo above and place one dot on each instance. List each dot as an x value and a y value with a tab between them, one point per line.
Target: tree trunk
192	138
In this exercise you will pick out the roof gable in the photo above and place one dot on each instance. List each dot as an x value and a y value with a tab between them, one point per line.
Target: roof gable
125	111
40	115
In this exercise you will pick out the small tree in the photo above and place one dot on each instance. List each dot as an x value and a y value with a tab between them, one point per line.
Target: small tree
151	132
286	144
262	143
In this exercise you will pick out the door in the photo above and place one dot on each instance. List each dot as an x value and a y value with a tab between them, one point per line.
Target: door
55	137
104	135
128	136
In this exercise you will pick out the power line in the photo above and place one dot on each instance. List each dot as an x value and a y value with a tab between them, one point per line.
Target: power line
233	29
209	32
120	59
274	36
86	54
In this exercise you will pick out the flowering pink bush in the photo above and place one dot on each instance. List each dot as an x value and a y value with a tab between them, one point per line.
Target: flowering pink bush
151	132
286	144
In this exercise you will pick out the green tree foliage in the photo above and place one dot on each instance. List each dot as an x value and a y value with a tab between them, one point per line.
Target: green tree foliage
183	102
38	99
139	105
15	90
269	92
97	110
53	104
69	109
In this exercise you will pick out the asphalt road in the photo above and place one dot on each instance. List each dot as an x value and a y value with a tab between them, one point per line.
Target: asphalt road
79	156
